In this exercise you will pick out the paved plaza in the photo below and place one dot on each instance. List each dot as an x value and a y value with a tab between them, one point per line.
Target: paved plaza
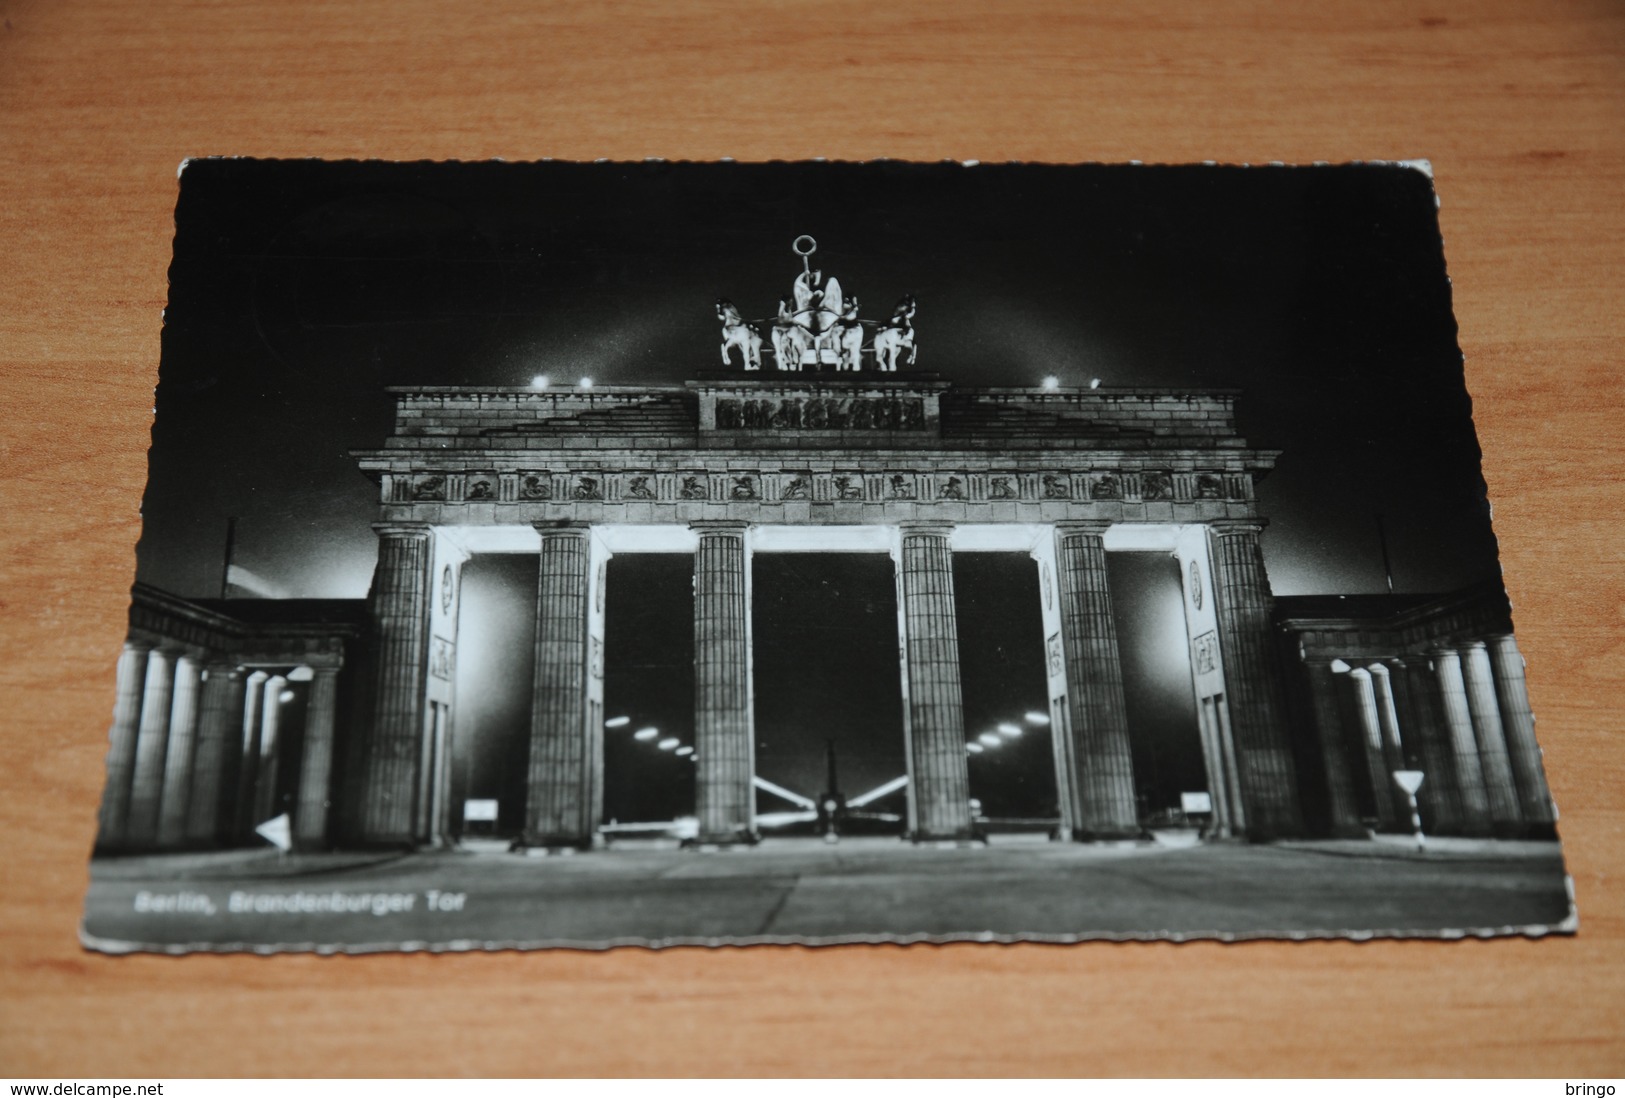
792	889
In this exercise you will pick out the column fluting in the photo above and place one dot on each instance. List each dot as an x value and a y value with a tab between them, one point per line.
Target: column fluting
122	738
1485	709
399	604
724	721
1253	686
1104	805
559	808
939	778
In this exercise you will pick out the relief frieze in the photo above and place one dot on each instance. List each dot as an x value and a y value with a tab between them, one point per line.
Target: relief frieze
822	414
721	487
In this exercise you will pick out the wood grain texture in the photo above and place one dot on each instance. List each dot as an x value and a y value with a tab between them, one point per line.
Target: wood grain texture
1518	105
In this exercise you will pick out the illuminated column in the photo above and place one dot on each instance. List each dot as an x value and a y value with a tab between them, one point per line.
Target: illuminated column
400	618
1244	604
219	752
270	754
1342	805
724	721
1393	748
563	767
121	744
177	787
1492	743
248	761
147	782
1475	801
316	767
1103	787
1429	746
1518	721
939	778
1365	705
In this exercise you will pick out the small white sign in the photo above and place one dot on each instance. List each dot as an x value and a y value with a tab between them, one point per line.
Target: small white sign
1408	780
277	831
478	810
1193	803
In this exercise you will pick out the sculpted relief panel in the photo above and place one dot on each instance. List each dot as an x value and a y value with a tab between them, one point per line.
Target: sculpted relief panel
822	413
936	485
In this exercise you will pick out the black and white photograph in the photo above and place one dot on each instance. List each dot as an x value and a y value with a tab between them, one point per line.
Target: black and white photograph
568	554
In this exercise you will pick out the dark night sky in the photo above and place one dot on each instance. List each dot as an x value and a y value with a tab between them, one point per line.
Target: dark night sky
300	289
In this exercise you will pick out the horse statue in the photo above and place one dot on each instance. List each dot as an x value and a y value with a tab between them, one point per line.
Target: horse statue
896	339
790	340
850	338
737	333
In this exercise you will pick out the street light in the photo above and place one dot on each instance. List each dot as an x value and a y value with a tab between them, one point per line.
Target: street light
1035	717
990	739
669	743
974	748
617	722
646	734
685	750
1007	728
539	381
1410	781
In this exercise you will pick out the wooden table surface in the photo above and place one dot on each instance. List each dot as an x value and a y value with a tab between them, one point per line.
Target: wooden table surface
1518	103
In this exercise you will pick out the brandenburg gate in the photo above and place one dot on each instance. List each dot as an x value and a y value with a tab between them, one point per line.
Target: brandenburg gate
835	451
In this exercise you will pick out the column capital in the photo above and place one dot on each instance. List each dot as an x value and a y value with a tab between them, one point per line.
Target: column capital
401	529
562	528
1443	653
1094	528
926	528
1235	528
719	526
1468	646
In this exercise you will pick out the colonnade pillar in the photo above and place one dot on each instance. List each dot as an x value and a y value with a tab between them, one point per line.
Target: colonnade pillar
1342	805
1485	711
1518	721
248	759
1244	605
1440	797
268	759
566	740
1377	780
316	767
219	748
121	747
400	613
176	789
933	702
152	742
1103	788
1475	802
724	718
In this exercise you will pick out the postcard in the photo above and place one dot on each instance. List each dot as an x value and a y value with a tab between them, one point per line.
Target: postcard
601	554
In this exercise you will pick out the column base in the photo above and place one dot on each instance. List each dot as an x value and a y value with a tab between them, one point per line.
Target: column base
542	845
722	840
1112	835
963	839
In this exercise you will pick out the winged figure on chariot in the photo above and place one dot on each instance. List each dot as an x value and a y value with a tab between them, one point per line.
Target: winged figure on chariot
818	327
